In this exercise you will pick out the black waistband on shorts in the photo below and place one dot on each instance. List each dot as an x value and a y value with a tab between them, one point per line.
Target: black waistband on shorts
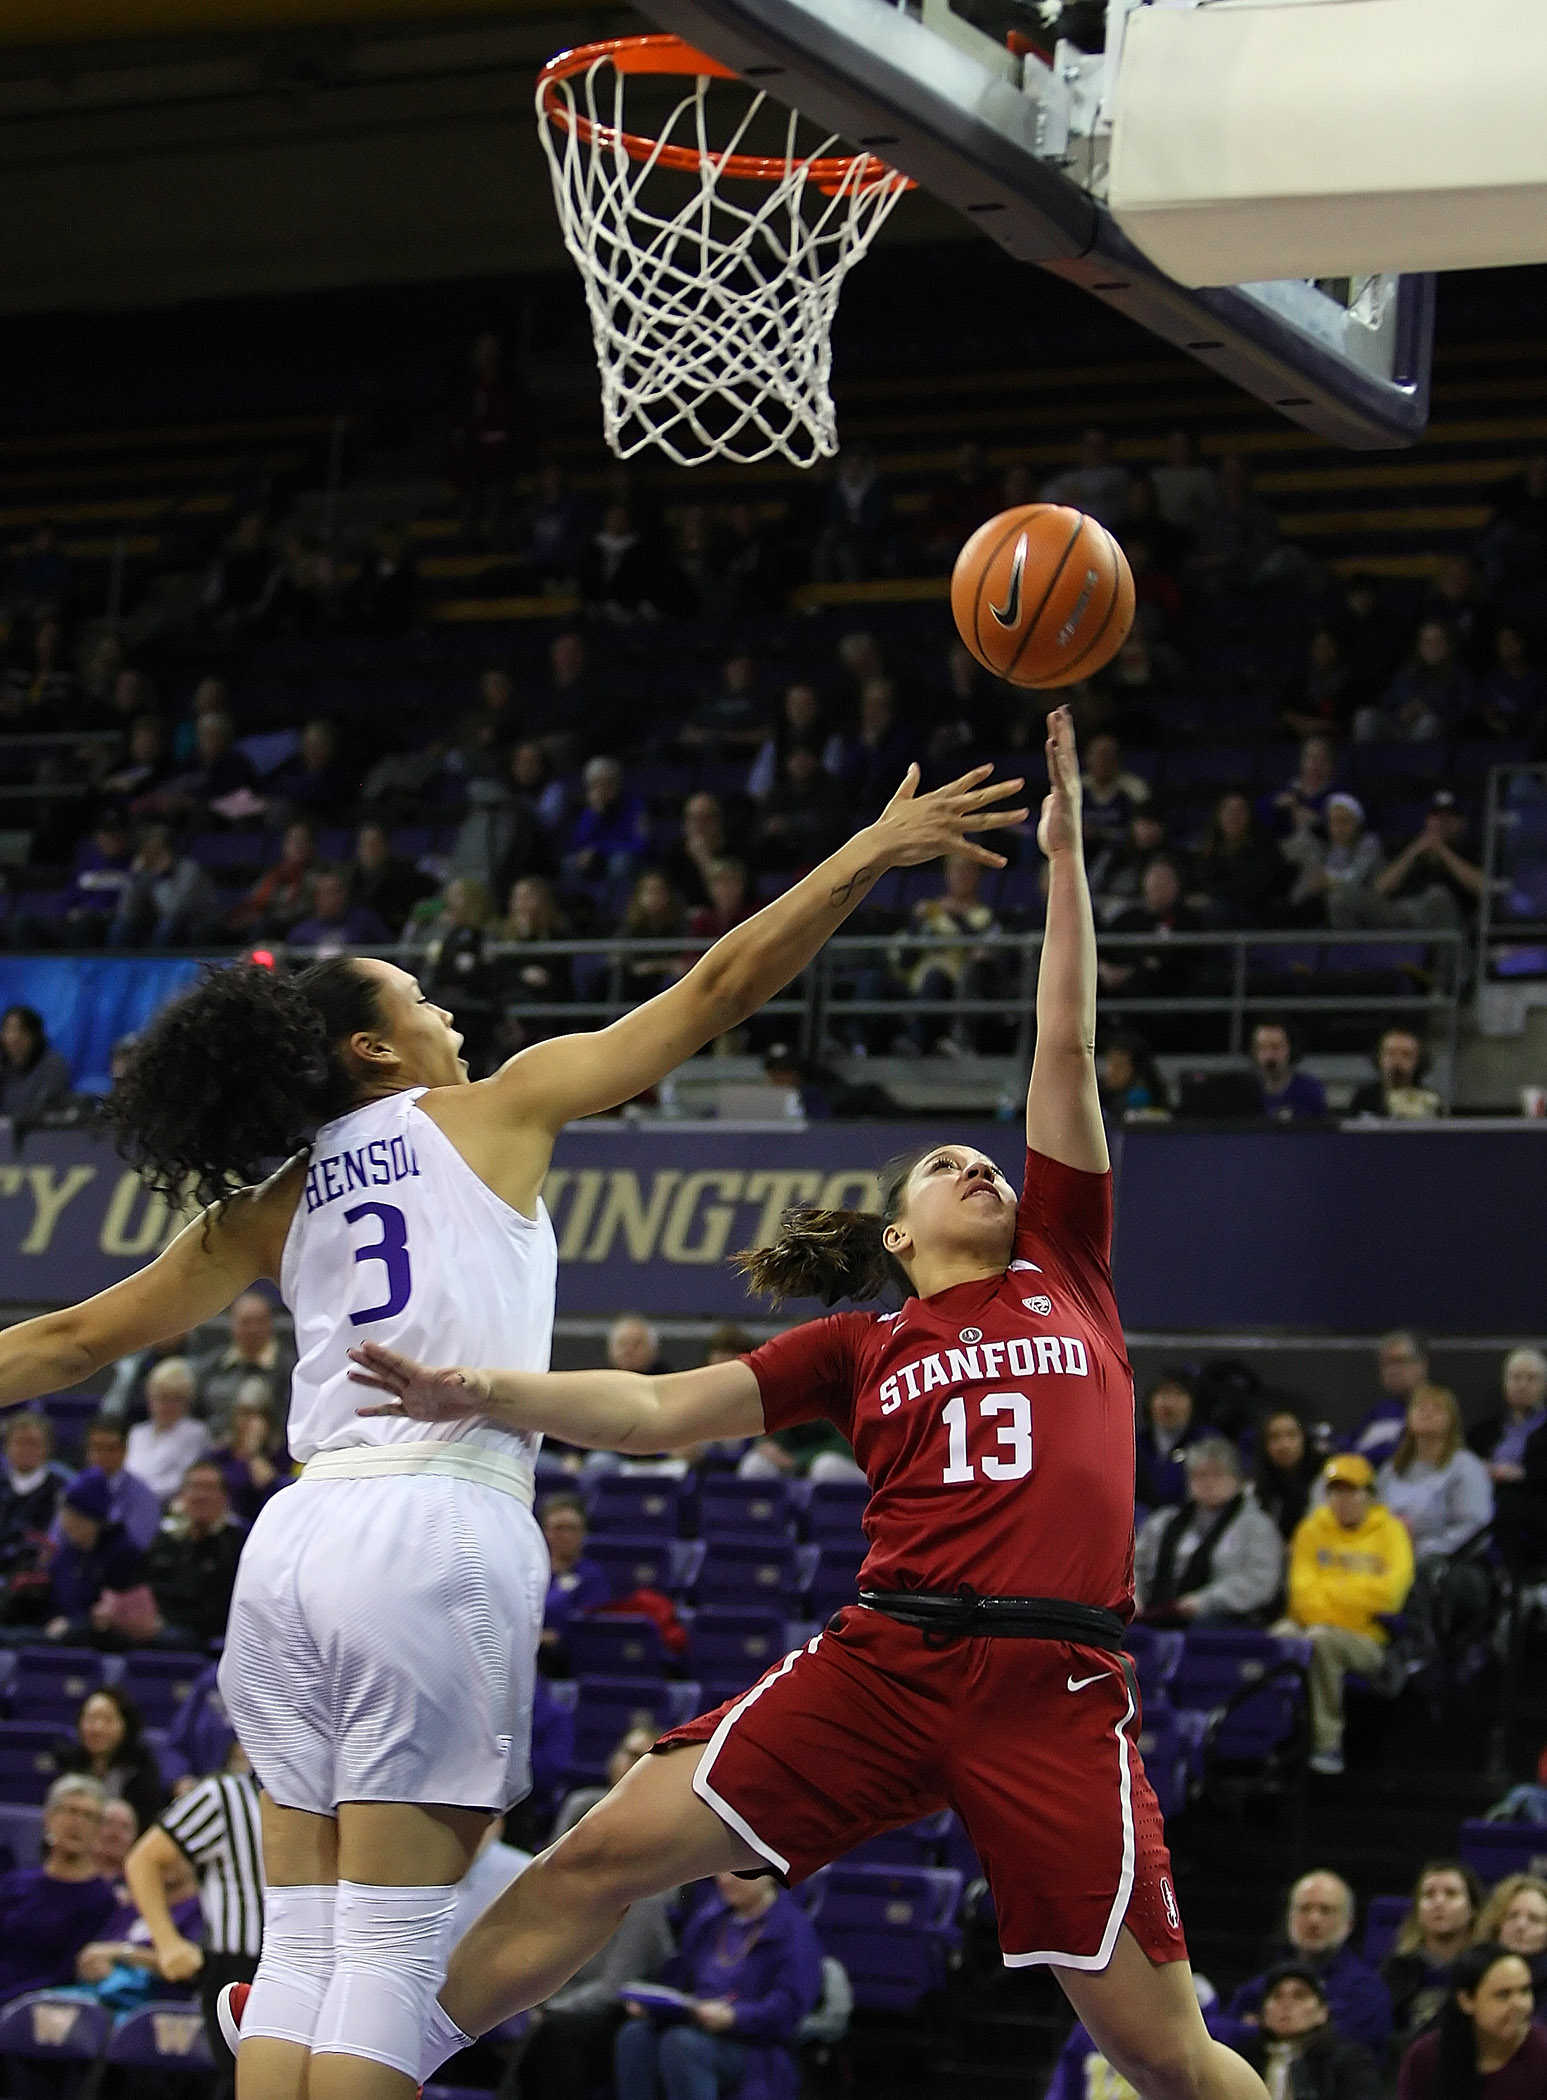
967	1615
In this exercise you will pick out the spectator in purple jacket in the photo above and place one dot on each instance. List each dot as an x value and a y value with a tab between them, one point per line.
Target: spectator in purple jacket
751	1968
611	831
577	1585
252	1461
335	922
1287	1095
92	1555
49	1913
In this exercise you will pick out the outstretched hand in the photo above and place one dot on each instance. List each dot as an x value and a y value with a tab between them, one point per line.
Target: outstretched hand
1058	828
418	1392
917	827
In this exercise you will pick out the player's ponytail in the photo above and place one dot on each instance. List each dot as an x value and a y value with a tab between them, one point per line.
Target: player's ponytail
833	1254
236	1074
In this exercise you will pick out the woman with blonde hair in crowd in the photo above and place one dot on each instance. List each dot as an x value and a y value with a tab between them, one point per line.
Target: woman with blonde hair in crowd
1515	1915
1439	1489
1447	1898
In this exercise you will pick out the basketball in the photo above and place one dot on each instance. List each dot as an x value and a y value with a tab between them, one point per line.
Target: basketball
1042	595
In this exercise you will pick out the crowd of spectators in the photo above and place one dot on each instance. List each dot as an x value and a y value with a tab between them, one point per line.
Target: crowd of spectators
1367	1553
548	800
140	1546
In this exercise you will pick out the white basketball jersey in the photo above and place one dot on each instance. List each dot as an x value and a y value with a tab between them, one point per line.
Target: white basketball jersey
396	1240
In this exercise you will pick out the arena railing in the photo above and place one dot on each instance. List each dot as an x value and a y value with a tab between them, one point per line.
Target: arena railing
1512	914
826	999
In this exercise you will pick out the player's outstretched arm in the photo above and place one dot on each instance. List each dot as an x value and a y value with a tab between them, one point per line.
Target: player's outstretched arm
600	1410
211	1261
580	1075
1063	1104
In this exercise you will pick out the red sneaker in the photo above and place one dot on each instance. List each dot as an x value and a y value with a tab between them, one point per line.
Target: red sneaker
229	2007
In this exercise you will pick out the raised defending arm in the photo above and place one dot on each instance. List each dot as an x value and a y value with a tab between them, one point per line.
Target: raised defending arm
600	1410
211	1261
1063	1104
580	1075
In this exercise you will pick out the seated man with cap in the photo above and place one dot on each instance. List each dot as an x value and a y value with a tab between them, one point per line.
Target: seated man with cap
1294	2047
1350	1566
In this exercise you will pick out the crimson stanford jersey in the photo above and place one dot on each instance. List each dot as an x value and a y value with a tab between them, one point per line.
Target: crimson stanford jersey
994	1420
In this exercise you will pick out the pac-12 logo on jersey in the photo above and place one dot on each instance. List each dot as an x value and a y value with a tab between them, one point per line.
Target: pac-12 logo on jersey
1039	1304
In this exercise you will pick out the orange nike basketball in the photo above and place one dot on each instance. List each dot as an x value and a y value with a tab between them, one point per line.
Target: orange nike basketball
1042	595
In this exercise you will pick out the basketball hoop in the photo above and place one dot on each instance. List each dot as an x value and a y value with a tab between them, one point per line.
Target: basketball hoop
712	316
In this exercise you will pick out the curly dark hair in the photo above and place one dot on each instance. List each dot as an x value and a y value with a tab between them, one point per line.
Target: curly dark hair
236	1075
833	1254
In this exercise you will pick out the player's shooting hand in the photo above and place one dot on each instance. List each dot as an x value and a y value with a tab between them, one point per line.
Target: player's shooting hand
914	827
414	1390
1058	828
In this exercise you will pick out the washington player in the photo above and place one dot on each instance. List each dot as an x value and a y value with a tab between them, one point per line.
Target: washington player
983	1667
379	1659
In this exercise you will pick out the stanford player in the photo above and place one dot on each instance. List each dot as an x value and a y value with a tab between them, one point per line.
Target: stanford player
983	1667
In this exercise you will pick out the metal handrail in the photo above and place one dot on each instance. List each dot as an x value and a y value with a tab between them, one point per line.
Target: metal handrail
818	1001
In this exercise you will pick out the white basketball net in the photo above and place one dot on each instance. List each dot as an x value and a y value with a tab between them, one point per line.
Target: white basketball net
712	322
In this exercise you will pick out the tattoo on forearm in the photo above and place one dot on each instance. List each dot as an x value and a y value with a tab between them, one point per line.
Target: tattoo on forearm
845	892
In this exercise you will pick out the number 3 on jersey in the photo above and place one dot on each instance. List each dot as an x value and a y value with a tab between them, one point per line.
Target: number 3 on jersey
391	1250
1014	1435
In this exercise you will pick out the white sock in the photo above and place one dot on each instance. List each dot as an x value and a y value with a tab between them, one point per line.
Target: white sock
443	2040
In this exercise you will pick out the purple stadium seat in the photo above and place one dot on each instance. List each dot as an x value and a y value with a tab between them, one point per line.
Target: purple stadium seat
43	2025
606	1708
1156	1655
756	1571
50	1683
645	1563
29	1762
724	1643
21	1832
616	1644
891	1899
159	1684
917	1844
834	1581
835	1512
892	1928
729	1508
166	2035
1493	1850
1251	1686
1383	1921
635	1505
1167	1744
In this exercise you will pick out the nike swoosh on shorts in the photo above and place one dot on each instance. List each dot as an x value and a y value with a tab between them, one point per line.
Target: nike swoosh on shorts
1078	1684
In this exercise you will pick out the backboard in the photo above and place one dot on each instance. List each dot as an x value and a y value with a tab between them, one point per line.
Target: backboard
1017	138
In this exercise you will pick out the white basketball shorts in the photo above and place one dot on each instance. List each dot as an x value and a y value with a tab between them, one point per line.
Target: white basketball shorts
383	1641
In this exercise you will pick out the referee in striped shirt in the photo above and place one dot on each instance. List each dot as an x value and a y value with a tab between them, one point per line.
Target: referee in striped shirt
214	1827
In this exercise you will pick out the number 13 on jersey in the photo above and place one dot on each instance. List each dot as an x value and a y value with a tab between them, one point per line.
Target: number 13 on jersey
1010	1460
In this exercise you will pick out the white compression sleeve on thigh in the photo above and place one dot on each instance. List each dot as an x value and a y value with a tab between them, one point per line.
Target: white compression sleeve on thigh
443	2039
296	1966
391	1947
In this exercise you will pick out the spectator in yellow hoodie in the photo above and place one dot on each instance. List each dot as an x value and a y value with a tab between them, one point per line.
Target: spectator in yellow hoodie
1350	1565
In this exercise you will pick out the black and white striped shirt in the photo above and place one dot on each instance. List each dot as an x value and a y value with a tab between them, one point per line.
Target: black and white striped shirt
216	1826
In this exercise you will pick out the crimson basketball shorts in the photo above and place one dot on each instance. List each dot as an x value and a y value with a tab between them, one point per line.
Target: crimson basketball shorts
1033	1743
